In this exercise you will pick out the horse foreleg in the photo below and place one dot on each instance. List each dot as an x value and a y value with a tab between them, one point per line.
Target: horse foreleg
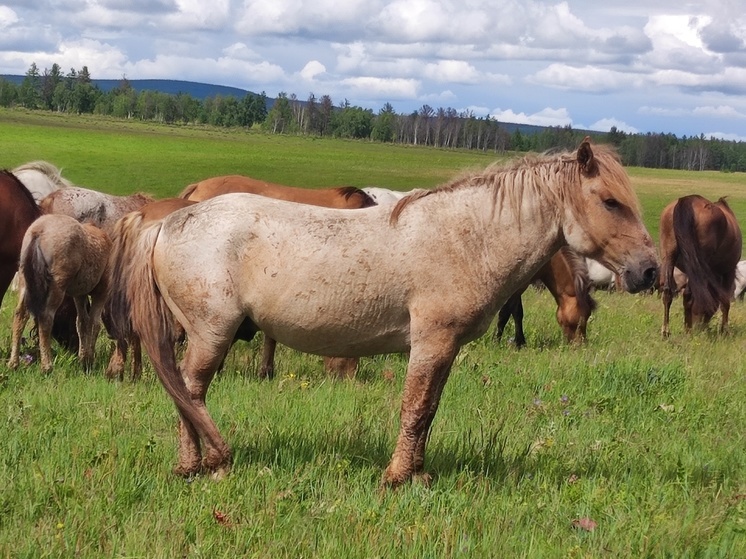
267	368
429	365
667	298
520	338
20	318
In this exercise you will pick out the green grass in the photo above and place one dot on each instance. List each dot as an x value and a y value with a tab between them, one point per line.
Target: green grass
642	435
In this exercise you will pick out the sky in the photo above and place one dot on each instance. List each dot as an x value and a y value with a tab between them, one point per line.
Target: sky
659	66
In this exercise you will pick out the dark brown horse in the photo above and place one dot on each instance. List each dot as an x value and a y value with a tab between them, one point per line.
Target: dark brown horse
345	197
17	211
566	278
703	240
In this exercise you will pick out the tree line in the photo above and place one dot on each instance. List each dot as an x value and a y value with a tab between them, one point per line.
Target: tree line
448	128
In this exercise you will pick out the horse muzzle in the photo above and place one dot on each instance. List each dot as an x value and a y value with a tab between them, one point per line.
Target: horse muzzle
641	276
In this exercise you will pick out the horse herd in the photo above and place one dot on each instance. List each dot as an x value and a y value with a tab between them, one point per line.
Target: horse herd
233	256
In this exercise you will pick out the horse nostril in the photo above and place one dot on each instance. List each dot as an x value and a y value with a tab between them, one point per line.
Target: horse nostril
650	274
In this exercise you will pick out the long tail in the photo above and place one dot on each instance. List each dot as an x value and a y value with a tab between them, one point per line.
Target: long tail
706	293
152	320
36	275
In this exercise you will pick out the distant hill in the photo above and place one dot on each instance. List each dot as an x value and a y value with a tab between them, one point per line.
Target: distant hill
195	89
201	91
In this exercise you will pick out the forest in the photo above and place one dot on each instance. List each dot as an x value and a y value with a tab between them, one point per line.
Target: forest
442	127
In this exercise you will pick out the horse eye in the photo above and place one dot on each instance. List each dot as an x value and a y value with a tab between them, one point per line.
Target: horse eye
611	204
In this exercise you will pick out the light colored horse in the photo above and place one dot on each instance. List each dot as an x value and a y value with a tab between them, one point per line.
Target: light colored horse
92	206
384	196
344	197
60	256
430	276
740	287
41	178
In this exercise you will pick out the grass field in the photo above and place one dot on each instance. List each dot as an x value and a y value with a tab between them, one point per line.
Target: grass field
630	446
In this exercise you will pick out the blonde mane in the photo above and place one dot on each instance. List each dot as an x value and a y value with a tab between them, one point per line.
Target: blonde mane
547	174
47	169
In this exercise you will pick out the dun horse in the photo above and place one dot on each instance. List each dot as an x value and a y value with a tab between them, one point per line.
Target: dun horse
703	240
345	197
60	256
566	278
429	277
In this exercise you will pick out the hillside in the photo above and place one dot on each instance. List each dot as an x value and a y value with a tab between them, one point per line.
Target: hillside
201	91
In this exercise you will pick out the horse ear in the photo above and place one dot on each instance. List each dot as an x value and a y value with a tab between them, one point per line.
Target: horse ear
588	165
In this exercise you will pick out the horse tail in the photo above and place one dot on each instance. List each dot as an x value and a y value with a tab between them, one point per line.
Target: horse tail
124	235
152	320
706	292
365	200
36	275
187	192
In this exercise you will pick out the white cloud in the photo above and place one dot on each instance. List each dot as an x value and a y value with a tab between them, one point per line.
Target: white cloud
545	117
7	17
605	124
396	88
312	69
588	78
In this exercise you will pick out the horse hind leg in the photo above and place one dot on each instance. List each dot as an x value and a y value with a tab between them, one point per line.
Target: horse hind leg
202	449
20	318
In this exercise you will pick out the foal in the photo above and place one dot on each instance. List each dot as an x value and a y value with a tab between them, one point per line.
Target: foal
61	257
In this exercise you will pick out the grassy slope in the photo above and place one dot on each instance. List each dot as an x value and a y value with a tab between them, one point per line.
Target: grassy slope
643	436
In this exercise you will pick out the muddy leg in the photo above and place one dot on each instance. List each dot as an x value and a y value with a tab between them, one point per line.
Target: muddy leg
115	368
429	365
198	369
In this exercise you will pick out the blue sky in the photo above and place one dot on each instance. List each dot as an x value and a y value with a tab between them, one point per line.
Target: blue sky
642	66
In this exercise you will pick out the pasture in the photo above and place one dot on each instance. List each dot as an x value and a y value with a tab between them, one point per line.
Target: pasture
629	446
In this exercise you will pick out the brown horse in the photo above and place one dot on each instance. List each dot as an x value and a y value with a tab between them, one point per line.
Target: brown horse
18	210
566	278
429	277
703	240
346	197
61	257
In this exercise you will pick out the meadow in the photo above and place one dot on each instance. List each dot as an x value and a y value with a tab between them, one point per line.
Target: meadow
627	446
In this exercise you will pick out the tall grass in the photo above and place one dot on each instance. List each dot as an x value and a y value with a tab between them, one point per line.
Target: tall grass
629	446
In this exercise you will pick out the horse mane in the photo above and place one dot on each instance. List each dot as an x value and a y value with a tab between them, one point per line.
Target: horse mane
22	187
535	173
187	192
47	169
349	191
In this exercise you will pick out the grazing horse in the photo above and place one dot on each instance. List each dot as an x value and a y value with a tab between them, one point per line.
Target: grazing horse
61	257
346	197
430	276
703	240
41	178
91	206
566	278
